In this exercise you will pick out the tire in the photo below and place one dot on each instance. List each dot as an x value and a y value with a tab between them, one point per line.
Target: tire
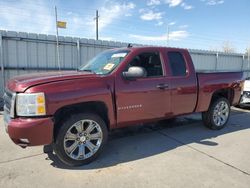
80	139
217	115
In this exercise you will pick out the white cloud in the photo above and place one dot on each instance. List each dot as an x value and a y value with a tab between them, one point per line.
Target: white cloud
27	15
213	2
174	36
128	15
149	15
110	12
172	23
178	35
159	23
173	3
153	2
130	5
183	26
186	6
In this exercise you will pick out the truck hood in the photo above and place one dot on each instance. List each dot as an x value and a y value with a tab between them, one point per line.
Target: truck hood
21	83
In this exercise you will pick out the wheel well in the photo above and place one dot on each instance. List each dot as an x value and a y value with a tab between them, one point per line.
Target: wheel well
96	107
226	93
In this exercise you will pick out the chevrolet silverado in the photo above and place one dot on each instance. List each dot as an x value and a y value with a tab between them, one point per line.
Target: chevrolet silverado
75	110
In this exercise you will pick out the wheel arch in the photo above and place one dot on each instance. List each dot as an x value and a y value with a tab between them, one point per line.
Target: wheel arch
97	107
227	93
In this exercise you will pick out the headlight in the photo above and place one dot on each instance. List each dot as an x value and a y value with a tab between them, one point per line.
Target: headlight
30	104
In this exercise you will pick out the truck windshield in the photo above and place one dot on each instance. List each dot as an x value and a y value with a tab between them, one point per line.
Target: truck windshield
105	62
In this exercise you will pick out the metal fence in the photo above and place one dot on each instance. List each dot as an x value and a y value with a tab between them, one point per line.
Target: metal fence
22	53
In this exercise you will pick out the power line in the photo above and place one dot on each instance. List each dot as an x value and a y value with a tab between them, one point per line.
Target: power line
198	40
118	28
127	21
194	36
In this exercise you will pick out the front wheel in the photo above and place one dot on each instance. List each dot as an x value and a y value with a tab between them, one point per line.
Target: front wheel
80	139
217	115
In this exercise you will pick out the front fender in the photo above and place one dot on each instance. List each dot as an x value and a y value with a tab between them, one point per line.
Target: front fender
70	92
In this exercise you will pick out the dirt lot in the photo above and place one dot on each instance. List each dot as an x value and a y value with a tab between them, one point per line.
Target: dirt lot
179	154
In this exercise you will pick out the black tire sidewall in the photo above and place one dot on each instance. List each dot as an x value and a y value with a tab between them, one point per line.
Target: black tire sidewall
59	138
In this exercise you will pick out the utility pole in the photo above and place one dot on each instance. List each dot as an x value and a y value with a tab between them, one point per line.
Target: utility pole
2	63
57	42
248	59
96	22
168	31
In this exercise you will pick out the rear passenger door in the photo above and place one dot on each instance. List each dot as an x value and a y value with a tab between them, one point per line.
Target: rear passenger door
183	82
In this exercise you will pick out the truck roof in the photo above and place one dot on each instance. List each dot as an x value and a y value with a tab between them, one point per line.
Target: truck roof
150	48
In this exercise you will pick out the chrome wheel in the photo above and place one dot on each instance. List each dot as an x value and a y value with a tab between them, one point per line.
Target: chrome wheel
83	139
221	113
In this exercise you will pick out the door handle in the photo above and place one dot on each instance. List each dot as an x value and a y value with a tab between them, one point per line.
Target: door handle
162	86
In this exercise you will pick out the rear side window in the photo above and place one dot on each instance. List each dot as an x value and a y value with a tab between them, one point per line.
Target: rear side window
177	64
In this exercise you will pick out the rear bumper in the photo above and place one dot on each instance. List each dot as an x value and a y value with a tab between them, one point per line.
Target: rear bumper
31	131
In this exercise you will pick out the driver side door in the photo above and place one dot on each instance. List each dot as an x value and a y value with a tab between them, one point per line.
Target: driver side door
143	99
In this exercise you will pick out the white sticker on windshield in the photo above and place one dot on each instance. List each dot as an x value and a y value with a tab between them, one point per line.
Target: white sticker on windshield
119	55
109	66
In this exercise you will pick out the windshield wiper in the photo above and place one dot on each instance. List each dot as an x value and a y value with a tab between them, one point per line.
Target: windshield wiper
86	70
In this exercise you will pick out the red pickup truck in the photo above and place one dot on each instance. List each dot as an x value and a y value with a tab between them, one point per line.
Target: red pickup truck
74	110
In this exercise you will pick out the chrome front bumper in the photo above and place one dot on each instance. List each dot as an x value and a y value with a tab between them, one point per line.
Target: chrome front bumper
9	107
6	120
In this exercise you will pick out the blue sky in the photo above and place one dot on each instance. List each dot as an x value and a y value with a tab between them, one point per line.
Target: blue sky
198	24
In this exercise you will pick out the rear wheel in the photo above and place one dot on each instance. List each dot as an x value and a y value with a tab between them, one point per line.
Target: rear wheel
80	139
217	115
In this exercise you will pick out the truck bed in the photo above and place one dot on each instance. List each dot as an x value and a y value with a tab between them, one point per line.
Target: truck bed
209	82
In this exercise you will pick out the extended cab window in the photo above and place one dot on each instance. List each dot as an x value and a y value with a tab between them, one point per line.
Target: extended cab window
150	61
177	64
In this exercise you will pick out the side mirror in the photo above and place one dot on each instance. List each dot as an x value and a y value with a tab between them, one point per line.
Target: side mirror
135	72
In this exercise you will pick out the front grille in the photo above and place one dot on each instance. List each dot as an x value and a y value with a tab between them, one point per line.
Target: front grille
9	99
